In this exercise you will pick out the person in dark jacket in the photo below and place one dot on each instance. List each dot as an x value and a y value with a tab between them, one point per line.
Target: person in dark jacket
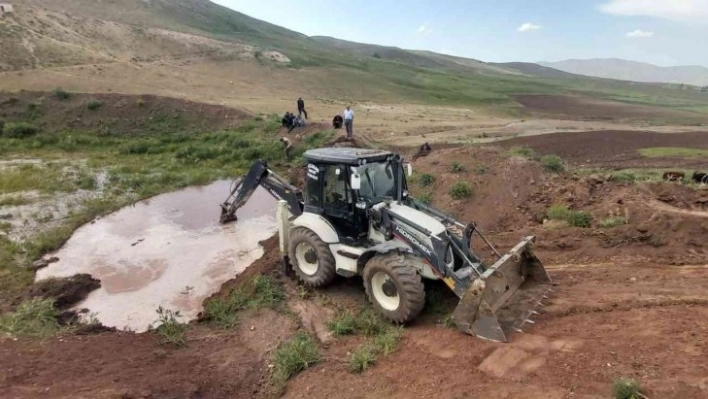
301	107
337	122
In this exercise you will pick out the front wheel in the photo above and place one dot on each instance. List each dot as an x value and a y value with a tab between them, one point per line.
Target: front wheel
312	260
394	287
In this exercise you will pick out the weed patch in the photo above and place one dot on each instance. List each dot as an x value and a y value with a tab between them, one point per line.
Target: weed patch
94	104
521	151
32	318
343	324
362	357
612	221
427	180
457	167
573	218
425	197
170	330
294	356
19	130
61	94
224	312
626	388
553	163
460	190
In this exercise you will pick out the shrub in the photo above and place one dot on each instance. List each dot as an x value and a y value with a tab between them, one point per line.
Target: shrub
552	163
460	190
624	177
480	170
558	212
94	104
612	221
521	151
295	355
425	198
579	219
33	318
387	342
626	388
61	94
20	130
362	357
370	323
427	180
456	167
170	330
573	218
266	293
344	324
224	312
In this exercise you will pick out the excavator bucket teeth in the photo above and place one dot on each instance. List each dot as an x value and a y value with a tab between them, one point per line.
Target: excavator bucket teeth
498	297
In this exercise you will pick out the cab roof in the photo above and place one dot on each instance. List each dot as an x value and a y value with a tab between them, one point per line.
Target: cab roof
347	156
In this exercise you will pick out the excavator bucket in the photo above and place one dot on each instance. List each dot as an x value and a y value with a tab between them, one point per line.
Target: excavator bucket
505	295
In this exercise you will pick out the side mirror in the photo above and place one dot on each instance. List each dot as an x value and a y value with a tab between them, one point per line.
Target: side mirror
409	170
355	182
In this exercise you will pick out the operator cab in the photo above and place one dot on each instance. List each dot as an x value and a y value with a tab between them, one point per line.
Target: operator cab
343	183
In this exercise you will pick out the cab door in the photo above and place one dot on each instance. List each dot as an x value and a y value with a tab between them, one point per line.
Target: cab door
338	204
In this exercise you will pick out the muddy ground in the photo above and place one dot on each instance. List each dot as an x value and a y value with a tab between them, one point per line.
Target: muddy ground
615	149
630	301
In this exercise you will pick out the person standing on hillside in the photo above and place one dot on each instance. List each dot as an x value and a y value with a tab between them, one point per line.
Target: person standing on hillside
301	107
349	122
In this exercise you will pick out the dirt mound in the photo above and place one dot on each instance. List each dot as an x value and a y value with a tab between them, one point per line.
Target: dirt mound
595	109
614	148
510	197
116	113
66	292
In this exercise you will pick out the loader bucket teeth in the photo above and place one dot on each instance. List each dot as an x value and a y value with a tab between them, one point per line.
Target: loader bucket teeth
501	290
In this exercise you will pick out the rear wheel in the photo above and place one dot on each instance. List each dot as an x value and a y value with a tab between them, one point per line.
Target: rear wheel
311	258
394	287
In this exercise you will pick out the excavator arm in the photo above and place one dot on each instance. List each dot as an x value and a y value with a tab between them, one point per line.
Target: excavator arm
260	175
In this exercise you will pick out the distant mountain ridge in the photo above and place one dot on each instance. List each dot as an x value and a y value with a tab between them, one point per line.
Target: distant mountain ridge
615	68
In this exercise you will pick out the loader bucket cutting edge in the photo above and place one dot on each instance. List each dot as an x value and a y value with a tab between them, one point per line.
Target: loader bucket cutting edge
519	269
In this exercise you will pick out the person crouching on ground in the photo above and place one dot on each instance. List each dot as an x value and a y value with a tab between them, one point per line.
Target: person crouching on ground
349	122
288	146
337	122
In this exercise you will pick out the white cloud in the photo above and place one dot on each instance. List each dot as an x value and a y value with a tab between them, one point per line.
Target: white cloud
640	34
425	29
676	10
528	26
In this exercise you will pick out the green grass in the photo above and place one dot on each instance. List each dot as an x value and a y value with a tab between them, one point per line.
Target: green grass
61	94
573	218
612	221
427	180
94	104
425	198
14	200
626	388
32	318
460	190
19	130
457	167
480	170
166	158
294	356
170	330
362	358
552	163
262	292
678	152
521	151
223	313
343	324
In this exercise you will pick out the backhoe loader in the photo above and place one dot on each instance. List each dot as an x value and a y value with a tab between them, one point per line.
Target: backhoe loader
356	217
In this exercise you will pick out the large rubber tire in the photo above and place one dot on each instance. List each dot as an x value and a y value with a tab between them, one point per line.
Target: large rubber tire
394	287
311	258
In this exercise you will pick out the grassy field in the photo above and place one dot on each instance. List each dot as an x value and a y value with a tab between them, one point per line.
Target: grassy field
658	152
113	171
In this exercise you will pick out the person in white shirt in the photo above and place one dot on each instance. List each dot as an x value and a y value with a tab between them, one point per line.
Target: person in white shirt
349	122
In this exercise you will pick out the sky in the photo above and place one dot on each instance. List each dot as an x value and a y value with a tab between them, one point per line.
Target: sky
661	32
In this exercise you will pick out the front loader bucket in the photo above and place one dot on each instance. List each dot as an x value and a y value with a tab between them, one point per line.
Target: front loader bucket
518	274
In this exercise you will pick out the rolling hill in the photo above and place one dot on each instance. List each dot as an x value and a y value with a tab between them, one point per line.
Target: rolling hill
614	68
45	35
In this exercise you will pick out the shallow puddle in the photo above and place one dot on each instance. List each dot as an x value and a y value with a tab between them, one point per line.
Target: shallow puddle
167	251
